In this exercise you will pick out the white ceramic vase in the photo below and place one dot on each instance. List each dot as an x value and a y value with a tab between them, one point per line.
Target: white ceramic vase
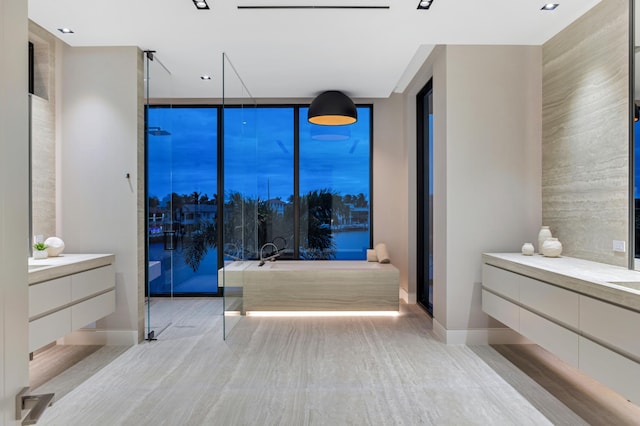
55	246
544	233
551	247
40	254
527	249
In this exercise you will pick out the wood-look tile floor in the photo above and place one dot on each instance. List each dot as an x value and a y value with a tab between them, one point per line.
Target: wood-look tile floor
320	371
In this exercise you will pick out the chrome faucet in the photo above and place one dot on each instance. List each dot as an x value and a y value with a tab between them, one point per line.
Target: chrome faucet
272	257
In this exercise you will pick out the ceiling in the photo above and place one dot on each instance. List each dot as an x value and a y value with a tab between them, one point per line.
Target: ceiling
298	53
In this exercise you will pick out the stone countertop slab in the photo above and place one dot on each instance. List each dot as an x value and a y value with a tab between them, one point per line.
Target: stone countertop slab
318	265
609	283
66	264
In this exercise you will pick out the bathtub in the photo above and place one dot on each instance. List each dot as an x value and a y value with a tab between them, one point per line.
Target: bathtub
319	285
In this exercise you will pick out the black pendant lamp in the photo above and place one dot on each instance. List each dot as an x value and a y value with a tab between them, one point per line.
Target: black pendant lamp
332	108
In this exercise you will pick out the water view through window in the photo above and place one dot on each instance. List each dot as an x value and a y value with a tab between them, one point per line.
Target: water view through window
265	161
182	193
335	210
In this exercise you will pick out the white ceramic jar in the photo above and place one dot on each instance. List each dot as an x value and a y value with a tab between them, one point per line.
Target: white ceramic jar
55	246
544	233
527	249
551	247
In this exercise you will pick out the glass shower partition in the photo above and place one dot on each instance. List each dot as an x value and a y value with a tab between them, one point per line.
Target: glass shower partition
161	230
240	210
182	207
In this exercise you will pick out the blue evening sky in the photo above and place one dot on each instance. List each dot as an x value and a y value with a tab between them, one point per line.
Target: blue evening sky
258	153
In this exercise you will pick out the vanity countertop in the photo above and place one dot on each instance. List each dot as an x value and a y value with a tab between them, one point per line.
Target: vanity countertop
66	264
606	282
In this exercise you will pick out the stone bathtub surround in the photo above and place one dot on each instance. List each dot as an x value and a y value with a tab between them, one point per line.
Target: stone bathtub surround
319	285
593	279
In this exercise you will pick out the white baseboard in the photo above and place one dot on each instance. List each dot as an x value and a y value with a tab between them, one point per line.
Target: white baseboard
404	296
101	337
484	336
408	298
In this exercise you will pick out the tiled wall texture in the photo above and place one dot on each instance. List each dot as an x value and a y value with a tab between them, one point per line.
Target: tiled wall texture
43	161
585	133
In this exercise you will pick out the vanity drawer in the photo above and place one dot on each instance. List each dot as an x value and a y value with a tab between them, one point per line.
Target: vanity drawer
91	282
616	326
49	328
49	295
619	373
557	303
93	309
504	311
553	337
500	281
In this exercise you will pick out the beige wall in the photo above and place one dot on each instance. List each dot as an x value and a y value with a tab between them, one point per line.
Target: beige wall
585	140
390	190
56	202
100	144
14	206
487	195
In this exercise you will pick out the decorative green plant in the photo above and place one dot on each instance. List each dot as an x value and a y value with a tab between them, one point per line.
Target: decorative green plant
40	246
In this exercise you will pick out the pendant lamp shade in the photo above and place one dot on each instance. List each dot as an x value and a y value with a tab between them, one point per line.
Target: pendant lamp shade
332	108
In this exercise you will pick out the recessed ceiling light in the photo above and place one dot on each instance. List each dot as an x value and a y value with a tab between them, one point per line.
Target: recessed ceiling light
201	4
205	77
424	4
550	6
65	30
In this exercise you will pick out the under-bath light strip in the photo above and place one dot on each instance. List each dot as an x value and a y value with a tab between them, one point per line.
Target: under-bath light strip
322	313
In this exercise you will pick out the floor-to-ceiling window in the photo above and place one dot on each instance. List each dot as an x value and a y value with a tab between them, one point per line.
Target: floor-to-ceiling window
259	185
182	196
335	188
304	188
424	108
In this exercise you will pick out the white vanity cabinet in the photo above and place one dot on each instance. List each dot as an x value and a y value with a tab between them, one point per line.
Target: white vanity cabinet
83	294
507	295
580	317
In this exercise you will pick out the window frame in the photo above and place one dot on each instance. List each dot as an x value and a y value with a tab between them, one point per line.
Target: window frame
220	109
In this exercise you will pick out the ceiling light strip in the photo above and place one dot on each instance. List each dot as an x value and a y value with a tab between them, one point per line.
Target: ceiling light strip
313	7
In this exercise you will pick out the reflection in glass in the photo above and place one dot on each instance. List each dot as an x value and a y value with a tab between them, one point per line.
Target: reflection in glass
239	146
335	206
259	176
182	188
